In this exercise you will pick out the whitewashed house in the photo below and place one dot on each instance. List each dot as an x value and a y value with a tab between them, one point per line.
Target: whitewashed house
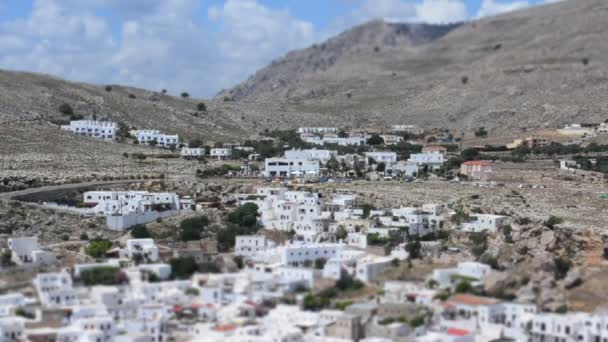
142	247
248	245
10	302
317	130
370	267
26	251
483	222
391	139
105	130
282	167
147	136
55	290
448	278
404	168
431	159
386	157
410	129
322	156
192	152
220	153
12	329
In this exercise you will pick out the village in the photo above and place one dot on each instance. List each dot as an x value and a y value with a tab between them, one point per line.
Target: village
326	235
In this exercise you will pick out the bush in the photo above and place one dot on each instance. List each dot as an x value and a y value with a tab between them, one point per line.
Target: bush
140	231
375	140
102	275
192	228
84	237
132	96
463	287
183	268
481	132
66	109
185	95
562	266
97	248
238	260
108	88
347	282
201	107
413	249
320	263
552	221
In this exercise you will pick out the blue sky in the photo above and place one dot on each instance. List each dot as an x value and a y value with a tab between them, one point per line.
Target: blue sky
199	46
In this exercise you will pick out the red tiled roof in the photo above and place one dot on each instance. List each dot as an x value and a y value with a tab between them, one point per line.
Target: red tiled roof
458	332
477	163
225	328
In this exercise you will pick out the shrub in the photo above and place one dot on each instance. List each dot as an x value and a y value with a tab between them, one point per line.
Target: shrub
102	275
97	248
481	132
84	237
66	109
552	221
464	80
413	249
320	263
140	231
201	106
183	268
192	228
185	95
108	88
238	260
562	266
347	282
463	287
132	96
375	140
192	291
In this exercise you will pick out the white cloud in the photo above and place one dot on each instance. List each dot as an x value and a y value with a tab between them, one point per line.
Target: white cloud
428	11
494	7
158	45
441	11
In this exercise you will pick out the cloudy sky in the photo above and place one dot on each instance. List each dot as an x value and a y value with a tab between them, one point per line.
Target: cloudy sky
199	46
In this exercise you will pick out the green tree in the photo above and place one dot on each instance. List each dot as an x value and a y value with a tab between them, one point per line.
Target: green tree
192	228
481	132
469	154
341	232
375	140
183	268
381	167
140	231
320	263
98	247
333	166
103	275
185	95
463	287
66	109
413	249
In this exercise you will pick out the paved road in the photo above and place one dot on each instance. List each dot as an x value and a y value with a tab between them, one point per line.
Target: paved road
13	194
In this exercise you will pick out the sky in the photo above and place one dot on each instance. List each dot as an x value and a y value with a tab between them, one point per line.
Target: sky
197	46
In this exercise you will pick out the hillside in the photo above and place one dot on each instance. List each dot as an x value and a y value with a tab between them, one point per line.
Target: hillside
535	68
27	99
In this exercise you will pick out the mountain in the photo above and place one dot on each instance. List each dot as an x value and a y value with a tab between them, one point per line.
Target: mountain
535	68
32	99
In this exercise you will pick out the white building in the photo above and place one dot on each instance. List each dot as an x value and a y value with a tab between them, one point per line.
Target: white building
448	278
431	159
124	202
105	130
403	169
483	222
25	250
12	329
410	129
390	139
370	267
282	167
322	156
143	247
317	130
55	290
147	136
10	302
124	209
249	245
192	152
333	139
221	153
385	157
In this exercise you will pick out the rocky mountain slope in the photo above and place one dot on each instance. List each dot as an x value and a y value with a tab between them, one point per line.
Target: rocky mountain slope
27	99
539	67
